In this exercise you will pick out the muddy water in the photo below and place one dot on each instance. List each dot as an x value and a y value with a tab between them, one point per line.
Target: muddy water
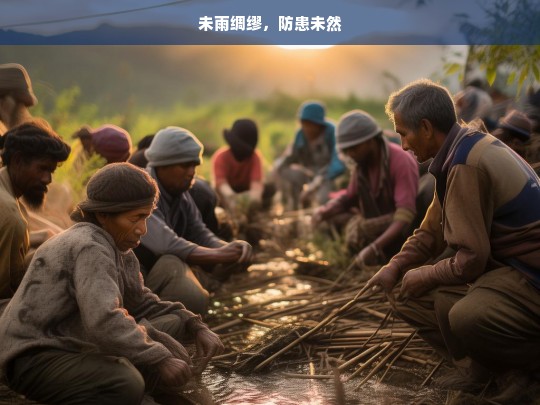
273	387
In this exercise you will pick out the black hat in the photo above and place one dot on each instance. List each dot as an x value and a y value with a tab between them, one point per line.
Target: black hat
242	138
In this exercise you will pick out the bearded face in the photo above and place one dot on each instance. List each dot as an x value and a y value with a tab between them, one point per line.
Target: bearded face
30	178
34	197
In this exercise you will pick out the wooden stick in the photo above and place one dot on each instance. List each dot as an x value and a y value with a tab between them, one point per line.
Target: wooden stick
399	353
370	361
376	368
361	356
432	372
308	376
321	324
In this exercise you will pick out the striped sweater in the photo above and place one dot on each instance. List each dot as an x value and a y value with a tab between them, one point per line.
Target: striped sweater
486	207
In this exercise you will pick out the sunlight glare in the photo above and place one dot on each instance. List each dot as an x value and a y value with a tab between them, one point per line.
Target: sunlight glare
295	47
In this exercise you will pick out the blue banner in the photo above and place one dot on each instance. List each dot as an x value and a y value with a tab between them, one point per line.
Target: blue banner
277	22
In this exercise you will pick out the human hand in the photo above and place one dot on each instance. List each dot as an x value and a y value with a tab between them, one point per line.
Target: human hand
416	282
301	168
208	345
317	217
368	256
386	279
174	372
306	196
246	253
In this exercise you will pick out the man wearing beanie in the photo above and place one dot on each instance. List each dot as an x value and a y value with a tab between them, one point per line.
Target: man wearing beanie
112	143
380	203
177	238
310	164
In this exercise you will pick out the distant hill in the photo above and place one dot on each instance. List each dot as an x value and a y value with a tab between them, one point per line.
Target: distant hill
114	77
106	34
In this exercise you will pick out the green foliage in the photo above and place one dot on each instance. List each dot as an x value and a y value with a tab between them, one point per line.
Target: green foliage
77	170
521	61
508	22
331	248
276	117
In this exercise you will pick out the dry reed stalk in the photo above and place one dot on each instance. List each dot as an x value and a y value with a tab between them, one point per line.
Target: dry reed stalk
261	323
314	279
224	356
368	363
338	387
373	312
227	325
399	353
377	368
432	372
426	362
321	324
359	357
308	376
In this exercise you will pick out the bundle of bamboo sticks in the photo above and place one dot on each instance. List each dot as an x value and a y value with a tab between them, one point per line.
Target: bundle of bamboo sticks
334	328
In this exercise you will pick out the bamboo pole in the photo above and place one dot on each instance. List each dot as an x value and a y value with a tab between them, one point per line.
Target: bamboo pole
399	353
377	368
321	324
370	361
432	372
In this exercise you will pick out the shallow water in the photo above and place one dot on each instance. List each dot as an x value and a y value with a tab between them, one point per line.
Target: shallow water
273	388
227	387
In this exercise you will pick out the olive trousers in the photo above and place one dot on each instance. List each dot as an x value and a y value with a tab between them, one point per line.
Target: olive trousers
495	321
54	376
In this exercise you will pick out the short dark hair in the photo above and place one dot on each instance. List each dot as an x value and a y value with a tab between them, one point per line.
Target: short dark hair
35	139
423	99
145	142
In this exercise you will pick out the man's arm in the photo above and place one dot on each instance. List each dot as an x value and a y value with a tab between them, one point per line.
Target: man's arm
426	243
160	239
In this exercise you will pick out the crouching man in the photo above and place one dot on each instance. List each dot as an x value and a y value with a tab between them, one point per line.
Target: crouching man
481	307
82	327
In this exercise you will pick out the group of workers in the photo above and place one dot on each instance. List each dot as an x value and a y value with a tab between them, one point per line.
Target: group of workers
100	312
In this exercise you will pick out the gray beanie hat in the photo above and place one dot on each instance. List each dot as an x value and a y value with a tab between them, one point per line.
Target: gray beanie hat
174	145
356	127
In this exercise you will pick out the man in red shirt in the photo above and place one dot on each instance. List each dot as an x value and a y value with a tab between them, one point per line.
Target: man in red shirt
237	168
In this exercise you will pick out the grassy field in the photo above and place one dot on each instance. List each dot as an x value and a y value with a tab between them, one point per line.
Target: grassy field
276	117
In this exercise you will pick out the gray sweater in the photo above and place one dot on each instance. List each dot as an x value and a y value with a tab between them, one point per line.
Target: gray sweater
81	293
176	226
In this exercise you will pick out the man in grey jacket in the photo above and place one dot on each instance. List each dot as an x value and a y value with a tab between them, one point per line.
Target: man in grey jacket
177	238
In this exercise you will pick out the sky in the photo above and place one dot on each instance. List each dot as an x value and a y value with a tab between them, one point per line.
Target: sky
358	17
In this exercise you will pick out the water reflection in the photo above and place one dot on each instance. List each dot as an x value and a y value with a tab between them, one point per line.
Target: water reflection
274	387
